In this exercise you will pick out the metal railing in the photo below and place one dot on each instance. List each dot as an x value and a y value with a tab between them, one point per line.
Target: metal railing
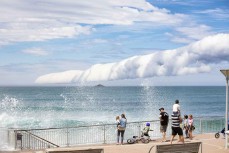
28	140
101	134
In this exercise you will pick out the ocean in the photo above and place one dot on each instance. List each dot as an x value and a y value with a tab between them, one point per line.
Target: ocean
46	107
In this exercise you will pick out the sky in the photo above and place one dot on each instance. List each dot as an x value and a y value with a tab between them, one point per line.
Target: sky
114	43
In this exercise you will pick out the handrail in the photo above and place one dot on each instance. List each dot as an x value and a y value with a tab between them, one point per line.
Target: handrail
85	126
40	139
210	117
37	137
103	133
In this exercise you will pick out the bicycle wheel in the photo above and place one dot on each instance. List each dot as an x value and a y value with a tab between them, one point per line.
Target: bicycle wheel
217	135
130	141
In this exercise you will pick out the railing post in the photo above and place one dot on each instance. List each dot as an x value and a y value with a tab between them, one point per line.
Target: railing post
67	137
104	134
15	140
222	124
139	130
29	141
201	126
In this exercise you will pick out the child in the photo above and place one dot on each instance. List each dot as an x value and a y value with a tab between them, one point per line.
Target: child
117	121
190	126
176	108
146	130
185	125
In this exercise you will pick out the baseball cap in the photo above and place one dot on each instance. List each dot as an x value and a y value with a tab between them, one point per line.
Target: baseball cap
161	108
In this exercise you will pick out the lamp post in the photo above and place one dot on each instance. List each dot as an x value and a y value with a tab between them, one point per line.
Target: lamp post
226	74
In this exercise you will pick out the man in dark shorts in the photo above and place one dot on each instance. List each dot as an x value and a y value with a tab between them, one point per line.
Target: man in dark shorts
176	129
164	120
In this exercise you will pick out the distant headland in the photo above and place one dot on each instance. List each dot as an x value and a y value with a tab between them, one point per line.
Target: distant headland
99	85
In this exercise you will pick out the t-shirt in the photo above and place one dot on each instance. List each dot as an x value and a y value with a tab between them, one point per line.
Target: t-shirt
123	122
185	122
175	120
164	118
190	122
146	130
176	107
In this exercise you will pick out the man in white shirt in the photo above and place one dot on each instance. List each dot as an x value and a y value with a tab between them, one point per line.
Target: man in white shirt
176	107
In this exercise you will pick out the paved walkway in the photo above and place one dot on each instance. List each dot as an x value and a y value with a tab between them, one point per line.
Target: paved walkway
210	145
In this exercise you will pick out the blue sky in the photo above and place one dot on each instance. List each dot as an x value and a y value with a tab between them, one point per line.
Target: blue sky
63	41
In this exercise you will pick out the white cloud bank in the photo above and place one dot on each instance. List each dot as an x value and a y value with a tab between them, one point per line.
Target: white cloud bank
191	59
42	20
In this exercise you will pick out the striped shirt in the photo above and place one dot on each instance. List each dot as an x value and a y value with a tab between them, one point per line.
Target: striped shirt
175	120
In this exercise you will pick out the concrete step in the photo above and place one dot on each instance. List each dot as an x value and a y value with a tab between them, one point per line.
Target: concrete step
71	150
19	151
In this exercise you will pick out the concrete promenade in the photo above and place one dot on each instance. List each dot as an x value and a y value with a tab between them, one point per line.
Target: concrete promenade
209	145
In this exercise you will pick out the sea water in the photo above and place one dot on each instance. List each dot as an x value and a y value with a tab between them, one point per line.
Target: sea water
45	107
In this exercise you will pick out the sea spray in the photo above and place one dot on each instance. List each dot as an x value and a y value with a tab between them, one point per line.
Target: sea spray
6	137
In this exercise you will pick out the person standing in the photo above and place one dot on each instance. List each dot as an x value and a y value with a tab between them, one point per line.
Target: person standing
190	126
164	120
176	129
185	125
121	128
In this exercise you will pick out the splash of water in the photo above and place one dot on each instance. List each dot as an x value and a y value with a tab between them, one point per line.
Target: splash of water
8	106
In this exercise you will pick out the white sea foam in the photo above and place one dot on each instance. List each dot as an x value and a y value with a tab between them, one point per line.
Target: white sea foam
8	106
9	102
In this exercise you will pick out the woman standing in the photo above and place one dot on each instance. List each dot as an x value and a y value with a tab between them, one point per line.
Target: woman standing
121	128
